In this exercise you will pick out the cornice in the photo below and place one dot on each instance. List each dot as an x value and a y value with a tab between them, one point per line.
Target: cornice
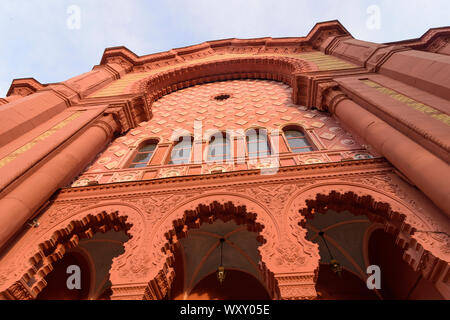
124	108
30	85
425	40
387	113
322	171
311	84
319	33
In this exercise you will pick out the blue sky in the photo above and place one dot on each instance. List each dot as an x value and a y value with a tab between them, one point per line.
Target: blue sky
37	42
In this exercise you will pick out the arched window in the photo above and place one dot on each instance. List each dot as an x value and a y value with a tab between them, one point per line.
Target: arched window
181	152
144	154
297	140
257	143
219	147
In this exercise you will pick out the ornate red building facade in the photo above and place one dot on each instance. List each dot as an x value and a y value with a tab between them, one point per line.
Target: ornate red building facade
294	163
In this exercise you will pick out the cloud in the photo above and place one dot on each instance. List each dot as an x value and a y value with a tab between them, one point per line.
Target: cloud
39	44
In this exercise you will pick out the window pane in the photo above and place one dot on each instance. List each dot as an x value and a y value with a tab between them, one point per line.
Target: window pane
178	153
309	149
219	149
298	143
252	138
252	148
185	143
181	151
218	158
143	157
263	146
257	143
179	161
148	147
293	134
138	165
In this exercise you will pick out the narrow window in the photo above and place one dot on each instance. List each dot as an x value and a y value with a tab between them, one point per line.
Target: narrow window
297	141
181	152
144	154
219	147
257	143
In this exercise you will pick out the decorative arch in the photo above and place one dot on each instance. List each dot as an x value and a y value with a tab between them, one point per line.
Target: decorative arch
283	69
148	273
383	209
23	270
54	249
193	219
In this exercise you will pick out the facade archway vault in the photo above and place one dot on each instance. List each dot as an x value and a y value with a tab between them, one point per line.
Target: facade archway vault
425	248
287	269
144	270
154	222
282	69
23	269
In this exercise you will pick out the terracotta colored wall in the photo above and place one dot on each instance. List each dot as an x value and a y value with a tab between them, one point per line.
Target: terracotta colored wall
41	154
253	103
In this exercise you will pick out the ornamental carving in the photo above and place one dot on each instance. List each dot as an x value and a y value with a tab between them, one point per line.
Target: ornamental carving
284	249
297	286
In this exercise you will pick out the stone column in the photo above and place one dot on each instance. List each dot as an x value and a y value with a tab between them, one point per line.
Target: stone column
428	172
293	266
19	205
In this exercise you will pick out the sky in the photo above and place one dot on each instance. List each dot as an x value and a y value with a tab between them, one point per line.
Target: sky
54	40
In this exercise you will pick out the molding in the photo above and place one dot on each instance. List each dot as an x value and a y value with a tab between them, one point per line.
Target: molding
297	172
24	87
319	33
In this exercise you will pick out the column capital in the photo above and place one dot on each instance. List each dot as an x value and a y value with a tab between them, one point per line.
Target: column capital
329	94
130	112
131	291
109	123
297	286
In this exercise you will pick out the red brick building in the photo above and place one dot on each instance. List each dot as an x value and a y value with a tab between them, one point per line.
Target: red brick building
293	163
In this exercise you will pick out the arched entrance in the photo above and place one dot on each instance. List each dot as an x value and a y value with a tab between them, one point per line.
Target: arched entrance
356	232
89	244
399	281
208	236
57	289
93	256
340	236
203	250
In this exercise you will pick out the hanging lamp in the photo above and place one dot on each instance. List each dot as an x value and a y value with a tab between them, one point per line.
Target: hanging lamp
336	267
221	269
